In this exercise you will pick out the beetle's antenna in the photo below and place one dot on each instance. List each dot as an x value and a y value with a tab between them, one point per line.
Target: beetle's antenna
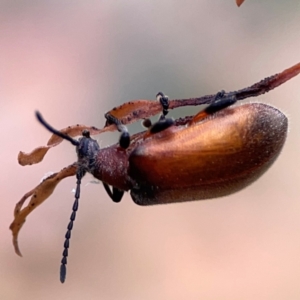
63	269
54	131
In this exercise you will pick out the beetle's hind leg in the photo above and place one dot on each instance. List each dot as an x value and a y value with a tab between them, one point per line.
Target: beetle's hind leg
163	122
115	195
220	102
124	140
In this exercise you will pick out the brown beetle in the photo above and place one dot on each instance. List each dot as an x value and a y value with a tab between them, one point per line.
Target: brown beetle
217	152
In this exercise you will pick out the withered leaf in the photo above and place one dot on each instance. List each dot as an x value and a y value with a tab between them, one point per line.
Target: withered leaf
38	195
239	2
38	153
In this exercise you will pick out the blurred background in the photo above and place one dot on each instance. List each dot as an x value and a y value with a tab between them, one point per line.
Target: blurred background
75	60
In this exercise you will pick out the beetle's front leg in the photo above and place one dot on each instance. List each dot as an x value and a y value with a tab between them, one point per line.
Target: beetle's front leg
115	195
220	102
124	140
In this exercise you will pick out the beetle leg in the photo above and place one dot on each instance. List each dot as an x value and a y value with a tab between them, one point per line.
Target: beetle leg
161	125
164	101
116	195
220	102
124	140
163	122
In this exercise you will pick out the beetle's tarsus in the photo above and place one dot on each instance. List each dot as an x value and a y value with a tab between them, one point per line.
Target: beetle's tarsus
161	125
220	102
116	195
124	140
219	95
164	101
163	122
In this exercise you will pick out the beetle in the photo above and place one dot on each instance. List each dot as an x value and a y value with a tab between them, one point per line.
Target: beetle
218	151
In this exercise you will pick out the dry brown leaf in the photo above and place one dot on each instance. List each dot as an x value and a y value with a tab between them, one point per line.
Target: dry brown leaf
132	111
38	195
33	157
76	130
239	2
38	153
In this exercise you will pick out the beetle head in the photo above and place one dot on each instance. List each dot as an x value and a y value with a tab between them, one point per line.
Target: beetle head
86	147
86	150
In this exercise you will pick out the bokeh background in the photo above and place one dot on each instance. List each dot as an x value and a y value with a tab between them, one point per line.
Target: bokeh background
75	60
